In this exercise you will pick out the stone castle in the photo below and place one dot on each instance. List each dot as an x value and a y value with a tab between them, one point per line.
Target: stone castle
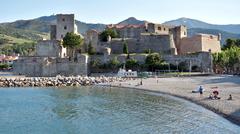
52	58
156	37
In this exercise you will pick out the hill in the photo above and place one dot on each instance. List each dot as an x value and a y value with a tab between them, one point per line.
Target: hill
42	24
191	23
23	34
132	21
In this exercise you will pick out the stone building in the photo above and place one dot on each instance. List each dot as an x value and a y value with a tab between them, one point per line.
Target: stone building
65	24
200	43
92	37
51	57
157	38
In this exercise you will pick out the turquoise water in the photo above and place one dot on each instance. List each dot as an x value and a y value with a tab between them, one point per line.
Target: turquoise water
92	110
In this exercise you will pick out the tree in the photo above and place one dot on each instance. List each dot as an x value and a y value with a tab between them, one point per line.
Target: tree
91	50
108	32
226	59
72	41
114	63
125	47
229	43
153	60
131	64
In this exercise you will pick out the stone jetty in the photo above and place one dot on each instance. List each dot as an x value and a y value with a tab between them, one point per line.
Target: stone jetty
59	81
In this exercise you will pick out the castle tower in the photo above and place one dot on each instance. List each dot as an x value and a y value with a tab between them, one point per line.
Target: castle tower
179	33
65	23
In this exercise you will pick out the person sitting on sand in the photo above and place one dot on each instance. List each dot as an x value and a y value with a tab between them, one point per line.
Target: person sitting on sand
210	96
215	95
230	97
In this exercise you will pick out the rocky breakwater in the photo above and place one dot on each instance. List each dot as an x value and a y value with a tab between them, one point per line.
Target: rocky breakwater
58	81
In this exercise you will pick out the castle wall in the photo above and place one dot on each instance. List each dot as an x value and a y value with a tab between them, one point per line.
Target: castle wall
211	42
50	48
154	42
92	37
190	45
179	33
200	43
202	60
50	66
130	32
157	28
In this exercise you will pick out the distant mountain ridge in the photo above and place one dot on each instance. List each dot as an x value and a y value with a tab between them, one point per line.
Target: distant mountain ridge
191	23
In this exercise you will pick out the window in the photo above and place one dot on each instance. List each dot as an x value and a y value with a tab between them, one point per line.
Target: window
65	27
61	36
184	32
63	19
159	28
164	29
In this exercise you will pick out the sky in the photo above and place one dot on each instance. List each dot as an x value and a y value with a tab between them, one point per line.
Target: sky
114	11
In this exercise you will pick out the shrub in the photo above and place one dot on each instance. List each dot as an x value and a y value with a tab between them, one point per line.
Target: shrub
114	63
91	50
132	64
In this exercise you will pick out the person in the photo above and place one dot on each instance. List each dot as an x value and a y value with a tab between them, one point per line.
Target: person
201	90
230	97
216	93
210	96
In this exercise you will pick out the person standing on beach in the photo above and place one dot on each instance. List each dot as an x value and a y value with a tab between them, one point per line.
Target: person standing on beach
201	90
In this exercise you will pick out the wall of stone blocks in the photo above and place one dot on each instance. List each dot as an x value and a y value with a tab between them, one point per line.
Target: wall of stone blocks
50	48
65	24
156	43
202	60
190	45
210	42
49	67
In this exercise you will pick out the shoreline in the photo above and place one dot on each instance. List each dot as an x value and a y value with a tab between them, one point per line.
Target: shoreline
217	106
180	87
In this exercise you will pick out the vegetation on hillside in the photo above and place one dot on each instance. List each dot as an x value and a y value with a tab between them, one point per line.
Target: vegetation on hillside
24	49
23	34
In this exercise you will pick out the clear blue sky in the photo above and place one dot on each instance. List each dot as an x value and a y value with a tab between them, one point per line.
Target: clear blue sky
113	11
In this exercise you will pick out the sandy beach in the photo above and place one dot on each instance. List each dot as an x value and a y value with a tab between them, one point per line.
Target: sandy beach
182	87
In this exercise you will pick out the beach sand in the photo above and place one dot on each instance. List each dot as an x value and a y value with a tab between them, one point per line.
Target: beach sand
183	86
